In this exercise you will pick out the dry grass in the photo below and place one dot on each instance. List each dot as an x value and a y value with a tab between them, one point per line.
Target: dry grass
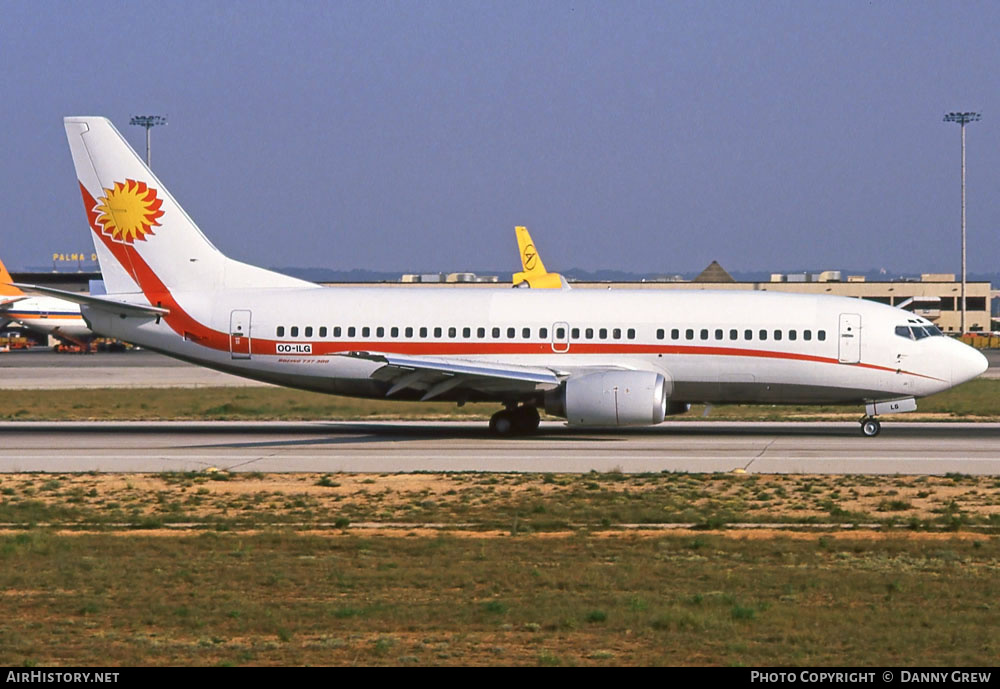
497	569
521	502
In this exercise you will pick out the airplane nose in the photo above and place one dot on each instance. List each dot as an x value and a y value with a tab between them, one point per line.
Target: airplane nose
966	364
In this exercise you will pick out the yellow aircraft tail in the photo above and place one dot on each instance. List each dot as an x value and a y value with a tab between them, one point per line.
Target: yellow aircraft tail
533	270
7	290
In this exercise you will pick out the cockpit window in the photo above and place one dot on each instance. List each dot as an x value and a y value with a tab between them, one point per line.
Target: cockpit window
918	332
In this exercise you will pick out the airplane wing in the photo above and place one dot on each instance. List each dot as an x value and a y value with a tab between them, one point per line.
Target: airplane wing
102	303
8	300
436	375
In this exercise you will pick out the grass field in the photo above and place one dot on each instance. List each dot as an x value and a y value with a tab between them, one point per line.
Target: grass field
281	598
975	400
498	569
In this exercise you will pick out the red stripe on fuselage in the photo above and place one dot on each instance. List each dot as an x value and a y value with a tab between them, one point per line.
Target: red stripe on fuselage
186	326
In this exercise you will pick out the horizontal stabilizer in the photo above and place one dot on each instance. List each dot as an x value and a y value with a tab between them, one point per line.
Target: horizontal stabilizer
112	305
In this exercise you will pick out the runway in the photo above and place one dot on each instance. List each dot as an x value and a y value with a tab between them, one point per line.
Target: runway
389	447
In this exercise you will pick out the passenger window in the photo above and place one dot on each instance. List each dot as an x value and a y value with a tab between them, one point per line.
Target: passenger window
631	333
560	333
575	333
380	331
480	332
437	332
511	333
748	335
280	332
792	335
675	334
689	334
467	333
394	331
734	334
452	332
704	333
295	331
526	333
603	333
762	335
409	332
423	332
336	331
589	333
496	333
617	334
777	334
366	331
544	333
807	334
718	333
821	335
659	334
309	331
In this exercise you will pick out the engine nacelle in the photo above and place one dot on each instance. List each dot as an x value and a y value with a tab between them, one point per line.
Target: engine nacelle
611	398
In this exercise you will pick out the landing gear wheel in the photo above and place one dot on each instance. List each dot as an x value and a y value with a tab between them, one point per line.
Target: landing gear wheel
526	419
502	423
515	421
870	427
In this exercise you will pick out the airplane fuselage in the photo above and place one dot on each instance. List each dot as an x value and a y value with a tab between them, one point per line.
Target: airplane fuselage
712	346
50	316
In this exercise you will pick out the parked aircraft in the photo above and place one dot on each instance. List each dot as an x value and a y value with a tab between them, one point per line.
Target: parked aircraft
533	273
595	357
44	314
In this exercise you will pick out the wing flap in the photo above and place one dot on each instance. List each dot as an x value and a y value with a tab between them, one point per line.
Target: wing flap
436	375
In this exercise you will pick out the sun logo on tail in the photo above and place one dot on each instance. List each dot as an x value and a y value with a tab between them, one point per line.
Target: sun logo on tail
129	211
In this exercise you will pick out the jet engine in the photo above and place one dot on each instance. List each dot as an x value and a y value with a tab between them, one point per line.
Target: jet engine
612	398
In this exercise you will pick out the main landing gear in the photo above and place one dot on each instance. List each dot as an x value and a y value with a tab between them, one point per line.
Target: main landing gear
870	426
515	420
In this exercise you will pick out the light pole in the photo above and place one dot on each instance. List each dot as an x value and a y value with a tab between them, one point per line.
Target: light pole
147	121
963	118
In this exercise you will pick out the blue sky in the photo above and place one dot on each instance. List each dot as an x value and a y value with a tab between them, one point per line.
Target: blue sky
413	136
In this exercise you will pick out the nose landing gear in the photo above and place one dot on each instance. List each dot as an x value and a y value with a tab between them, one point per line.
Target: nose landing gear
870	426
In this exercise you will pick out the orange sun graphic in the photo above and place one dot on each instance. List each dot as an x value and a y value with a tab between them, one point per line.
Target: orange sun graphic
129	211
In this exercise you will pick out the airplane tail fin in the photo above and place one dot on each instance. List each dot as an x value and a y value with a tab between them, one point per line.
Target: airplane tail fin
145	241
533	270
8	292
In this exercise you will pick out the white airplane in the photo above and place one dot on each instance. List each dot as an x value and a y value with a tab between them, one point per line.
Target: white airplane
598	358
44	314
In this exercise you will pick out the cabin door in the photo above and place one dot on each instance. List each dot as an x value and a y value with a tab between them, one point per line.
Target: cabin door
560	337
850	338
239	334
